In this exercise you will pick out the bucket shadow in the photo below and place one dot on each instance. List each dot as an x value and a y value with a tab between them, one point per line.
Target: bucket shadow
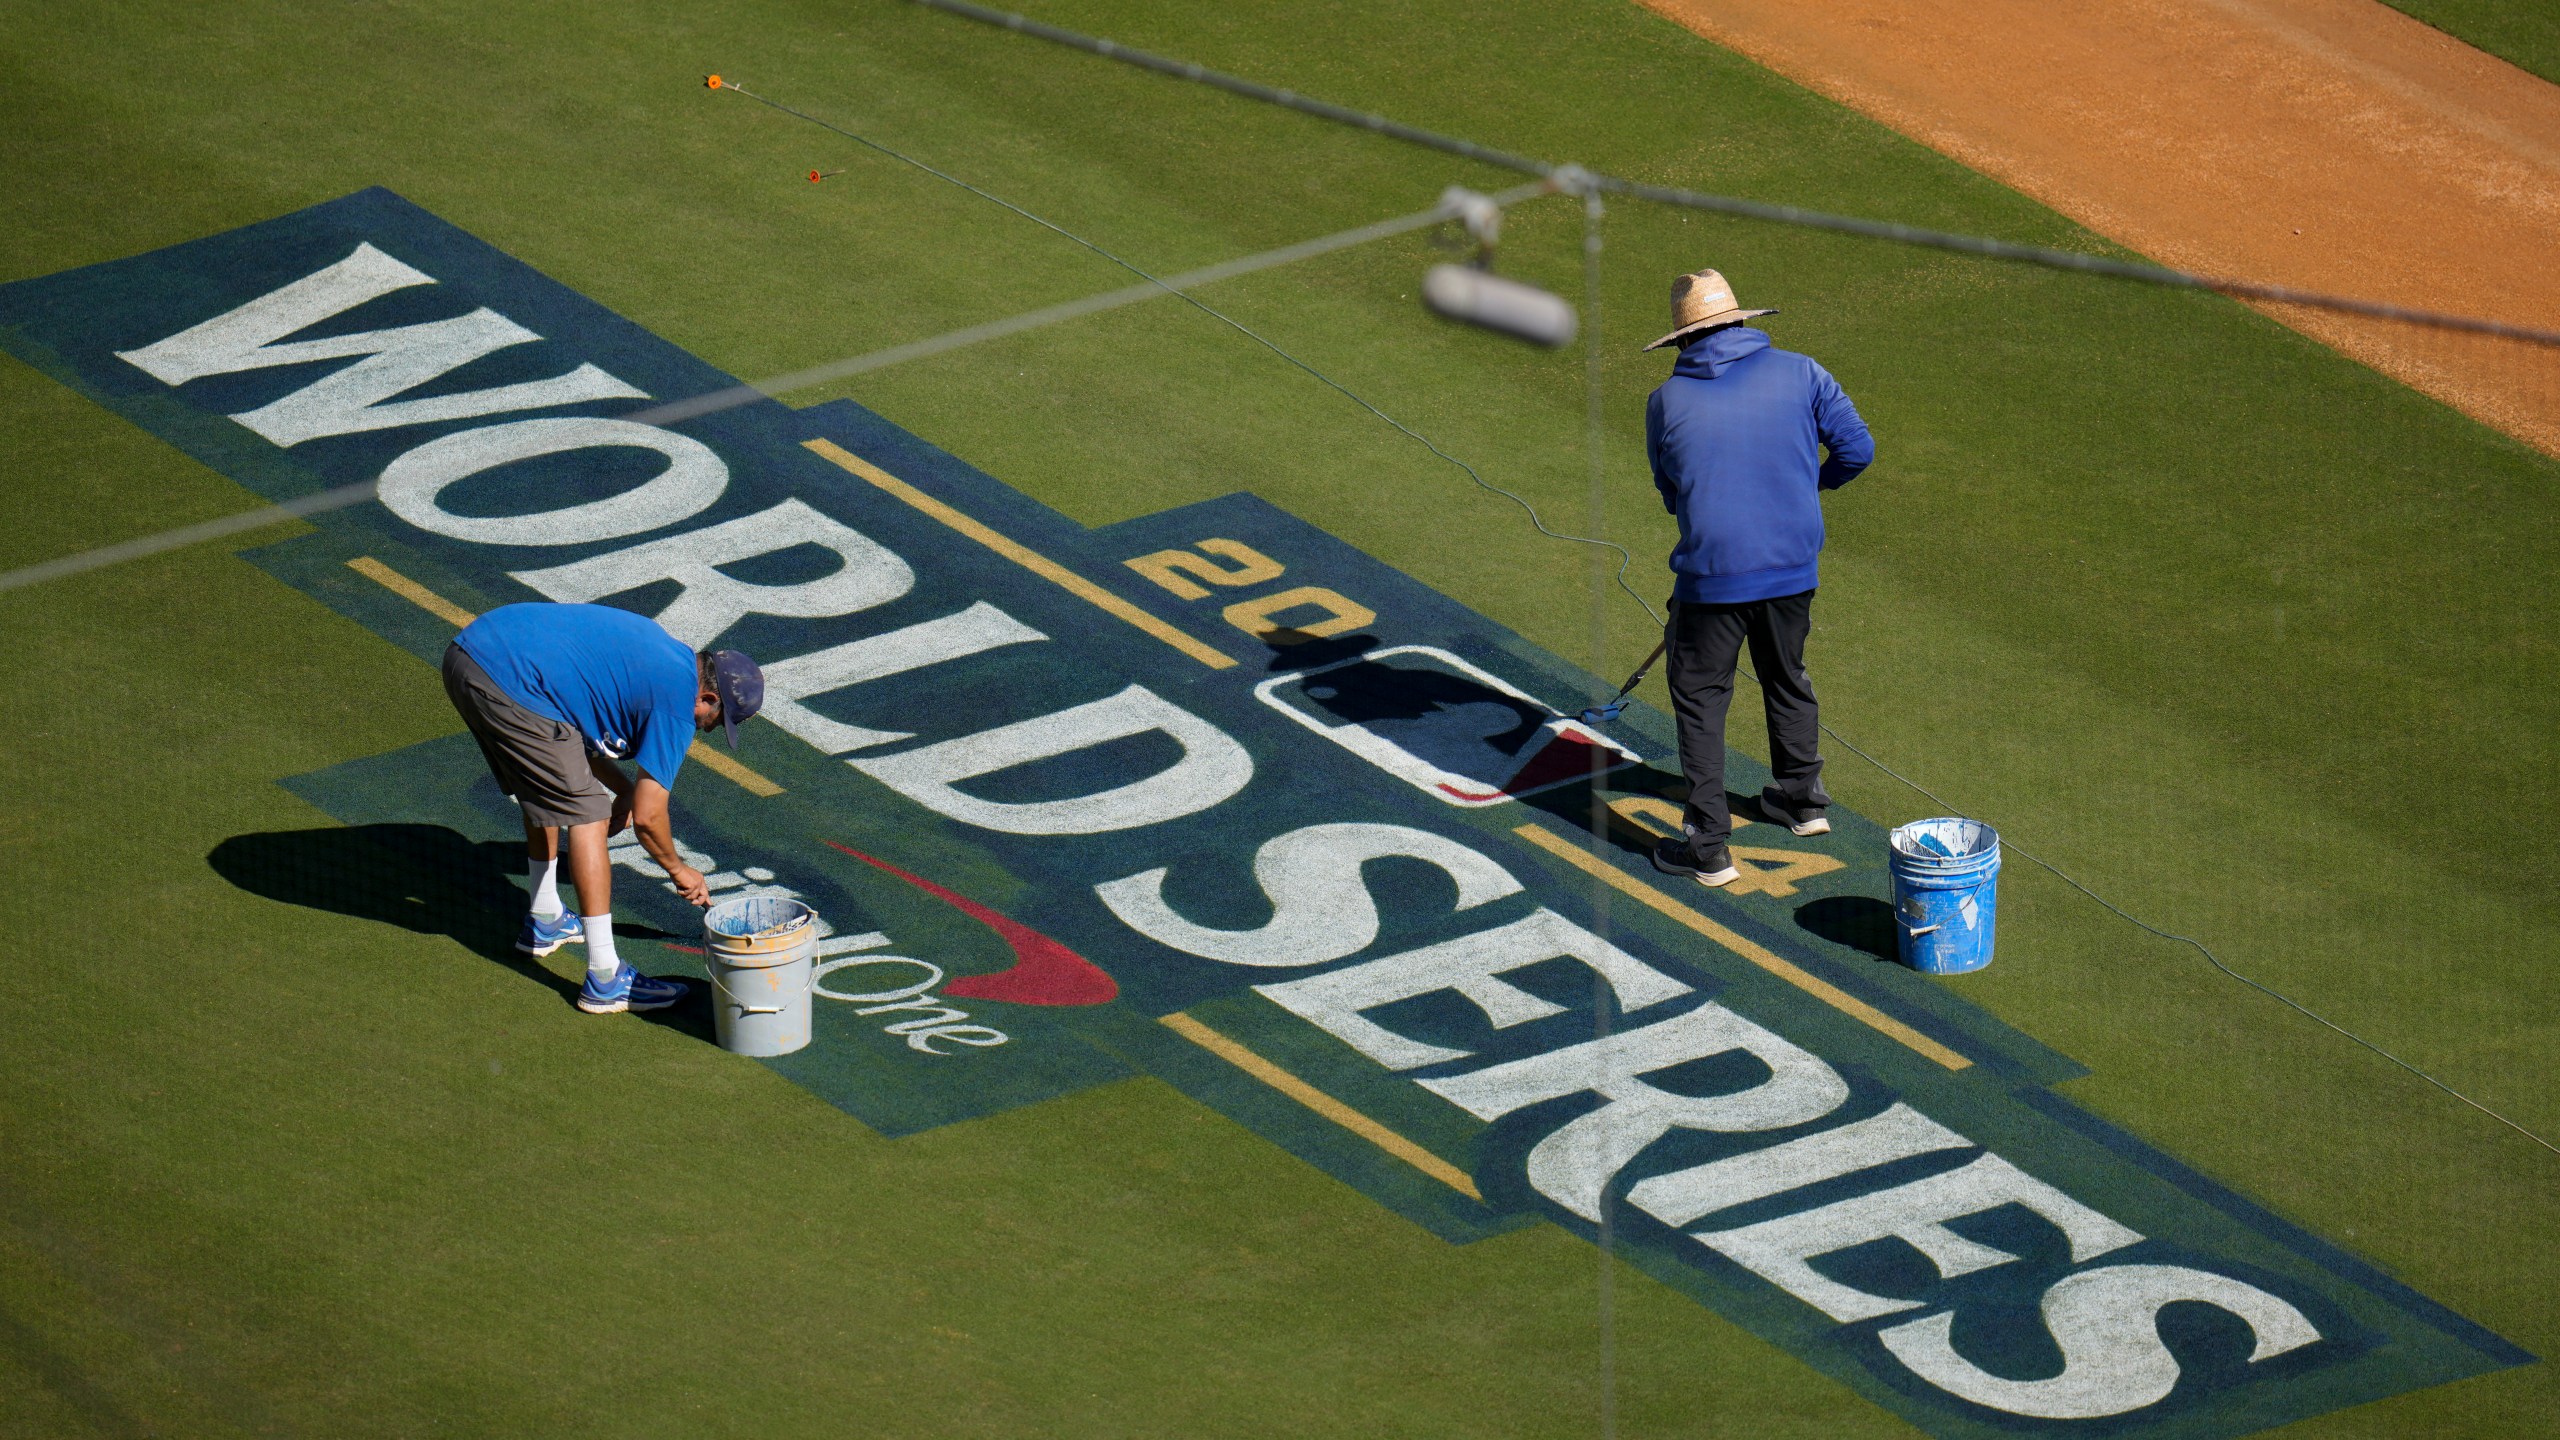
426	879
1857	921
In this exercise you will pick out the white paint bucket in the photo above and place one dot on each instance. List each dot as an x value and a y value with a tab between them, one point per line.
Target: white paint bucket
759	952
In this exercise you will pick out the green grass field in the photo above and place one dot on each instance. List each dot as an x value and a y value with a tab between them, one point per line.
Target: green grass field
2521	33
2256	642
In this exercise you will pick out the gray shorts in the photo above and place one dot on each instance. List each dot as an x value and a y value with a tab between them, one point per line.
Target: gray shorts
540	763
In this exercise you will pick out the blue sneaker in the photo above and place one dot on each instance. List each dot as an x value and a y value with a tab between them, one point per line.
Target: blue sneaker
541	937
629	990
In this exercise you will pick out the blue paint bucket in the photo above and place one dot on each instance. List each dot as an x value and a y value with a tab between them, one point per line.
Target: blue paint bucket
1946	877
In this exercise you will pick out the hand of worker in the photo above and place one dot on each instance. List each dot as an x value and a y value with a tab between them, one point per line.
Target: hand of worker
688	883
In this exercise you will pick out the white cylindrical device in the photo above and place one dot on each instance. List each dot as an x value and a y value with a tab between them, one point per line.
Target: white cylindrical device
1480	297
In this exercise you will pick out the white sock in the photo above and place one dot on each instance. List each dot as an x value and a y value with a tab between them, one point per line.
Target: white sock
543	878
601	961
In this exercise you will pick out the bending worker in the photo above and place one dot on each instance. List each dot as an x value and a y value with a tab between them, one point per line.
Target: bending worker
556	694
1732	437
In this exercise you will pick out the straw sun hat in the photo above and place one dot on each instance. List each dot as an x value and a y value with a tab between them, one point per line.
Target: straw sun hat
1701	300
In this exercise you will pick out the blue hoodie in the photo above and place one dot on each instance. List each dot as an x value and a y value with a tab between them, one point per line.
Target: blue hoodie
1731	435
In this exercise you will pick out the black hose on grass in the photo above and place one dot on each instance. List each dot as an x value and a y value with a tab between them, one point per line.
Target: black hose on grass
2200	947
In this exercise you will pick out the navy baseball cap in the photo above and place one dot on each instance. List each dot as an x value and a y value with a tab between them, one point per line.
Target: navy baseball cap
740	686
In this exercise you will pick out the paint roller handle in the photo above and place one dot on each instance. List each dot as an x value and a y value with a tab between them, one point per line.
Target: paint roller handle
1603	714
1659	646
1646	668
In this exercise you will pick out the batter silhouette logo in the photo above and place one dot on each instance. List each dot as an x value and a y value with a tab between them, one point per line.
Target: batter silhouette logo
1451	729
1212	796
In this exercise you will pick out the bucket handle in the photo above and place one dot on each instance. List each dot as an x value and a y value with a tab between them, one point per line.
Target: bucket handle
713	975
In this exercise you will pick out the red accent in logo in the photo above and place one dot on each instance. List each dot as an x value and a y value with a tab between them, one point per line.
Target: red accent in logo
1044	972
1567	757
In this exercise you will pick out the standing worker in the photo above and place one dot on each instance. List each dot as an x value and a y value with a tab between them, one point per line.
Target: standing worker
556	694
1732	437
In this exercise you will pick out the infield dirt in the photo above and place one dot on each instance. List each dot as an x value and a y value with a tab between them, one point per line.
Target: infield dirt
2331	144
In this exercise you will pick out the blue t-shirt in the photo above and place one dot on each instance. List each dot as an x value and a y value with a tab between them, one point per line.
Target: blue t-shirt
619	680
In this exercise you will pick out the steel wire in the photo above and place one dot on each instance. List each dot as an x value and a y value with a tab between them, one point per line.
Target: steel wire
2142	272
1554	185
1590	187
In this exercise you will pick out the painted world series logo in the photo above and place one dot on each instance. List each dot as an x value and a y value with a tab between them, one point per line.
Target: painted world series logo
1213	796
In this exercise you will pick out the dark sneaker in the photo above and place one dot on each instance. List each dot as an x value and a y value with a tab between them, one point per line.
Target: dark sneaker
1799	819
1673	856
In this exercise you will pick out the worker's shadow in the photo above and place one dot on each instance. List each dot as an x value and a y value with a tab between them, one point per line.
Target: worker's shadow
422	878
1857	922
1632	831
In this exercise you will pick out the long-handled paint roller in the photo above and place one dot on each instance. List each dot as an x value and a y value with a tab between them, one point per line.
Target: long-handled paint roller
1603	714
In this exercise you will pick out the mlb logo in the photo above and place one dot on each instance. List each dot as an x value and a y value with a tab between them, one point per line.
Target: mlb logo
1458	732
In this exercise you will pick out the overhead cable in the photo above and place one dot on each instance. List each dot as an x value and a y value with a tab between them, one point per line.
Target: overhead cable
711	402
1576	181
2141	272
1562	178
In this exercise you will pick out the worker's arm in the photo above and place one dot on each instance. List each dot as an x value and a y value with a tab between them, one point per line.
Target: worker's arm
649	817
1653	453
1837	424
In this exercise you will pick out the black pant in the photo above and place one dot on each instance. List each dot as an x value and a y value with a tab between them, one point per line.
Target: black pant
1704	642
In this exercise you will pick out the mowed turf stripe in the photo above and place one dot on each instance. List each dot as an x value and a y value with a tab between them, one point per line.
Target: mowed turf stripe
1325	1105
1024	556
2011	522
434	604
1796	975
